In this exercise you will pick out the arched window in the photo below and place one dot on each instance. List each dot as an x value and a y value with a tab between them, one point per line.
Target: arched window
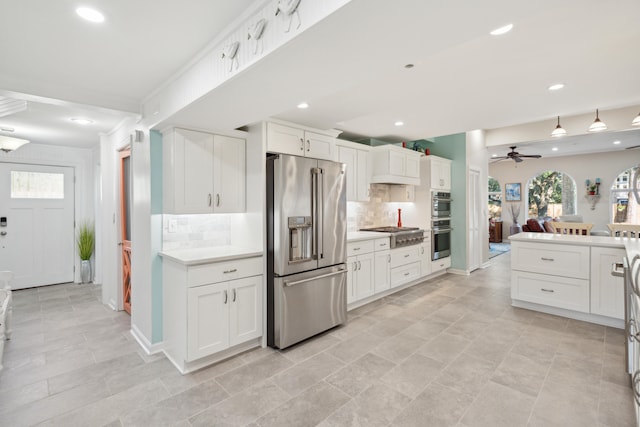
551	194
495	198
625	197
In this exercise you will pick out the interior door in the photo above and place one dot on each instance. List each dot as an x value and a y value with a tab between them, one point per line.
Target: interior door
474	212
125	214
37	239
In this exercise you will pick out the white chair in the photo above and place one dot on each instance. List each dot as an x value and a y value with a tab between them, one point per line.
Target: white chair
6	310
575	228
624	230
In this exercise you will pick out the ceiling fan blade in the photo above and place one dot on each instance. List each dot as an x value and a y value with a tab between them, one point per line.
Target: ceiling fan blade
517	159
532	156
631	148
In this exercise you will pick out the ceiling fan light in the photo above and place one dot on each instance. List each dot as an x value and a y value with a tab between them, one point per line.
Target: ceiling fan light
597	125
9	143
559	130
636	121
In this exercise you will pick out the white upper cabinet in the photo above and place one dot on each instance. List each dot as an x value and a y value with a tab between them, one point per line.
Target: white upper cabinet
395	165
203	173
298	142
437	171
358	160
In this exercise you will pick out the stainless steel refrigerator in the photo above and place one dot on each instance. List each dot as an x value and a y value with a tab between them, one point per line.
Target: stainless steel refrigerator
306	239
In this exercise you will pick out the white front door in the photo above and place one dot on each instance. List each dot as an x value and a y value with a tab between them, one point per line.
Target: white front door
37	237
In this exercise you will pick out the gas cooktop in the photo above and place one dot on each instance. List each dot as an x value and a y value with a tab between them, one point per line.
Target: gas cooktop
400	236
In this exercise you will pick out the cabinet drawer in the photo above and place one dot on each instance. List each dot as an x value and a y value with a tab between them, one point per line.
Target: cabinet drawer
440	264
405	256
561	292
361	247
221	271
558	260
405	274
381	244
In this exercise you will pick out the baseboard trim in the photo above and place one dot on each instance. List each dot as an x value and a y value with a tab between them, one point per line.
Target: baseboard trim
458	272
144	343
585	317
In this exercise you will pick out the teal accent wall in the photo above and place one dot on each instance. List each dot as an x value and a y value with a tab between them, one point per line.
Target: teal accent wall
454	147
156	236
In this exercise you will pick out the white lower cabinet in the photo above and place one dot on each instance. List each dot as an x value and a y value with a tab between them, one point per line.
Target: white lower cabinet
555	291
222	315
405	265
360	277
211	311
440	264
607	291
425	257
382	269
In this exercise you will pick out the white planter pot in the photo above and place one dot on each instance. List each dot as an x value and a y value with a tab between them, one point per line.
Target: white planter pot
85	271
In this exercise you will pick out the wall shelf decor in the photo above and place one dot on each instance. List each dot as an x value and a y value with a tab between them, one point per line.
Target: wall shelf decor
231	52
256	31
592	199
288	9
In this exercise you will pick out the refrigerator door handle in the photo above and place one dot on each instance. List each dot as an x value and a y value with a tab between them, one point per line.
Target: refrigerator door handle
310	279
314	213
320	194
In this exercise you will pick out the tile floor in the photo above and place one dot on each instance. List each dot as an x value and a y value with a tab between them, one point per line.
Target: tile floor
447	352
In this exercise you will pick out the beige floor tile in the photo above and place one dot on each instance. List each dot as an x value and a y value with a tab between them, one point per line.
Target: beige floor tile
307	409
615	408
413	375
467	374
360	374
307	349
252	373
307	373
355	347
398	348
521	373
444	348
499	406
436	406
243	408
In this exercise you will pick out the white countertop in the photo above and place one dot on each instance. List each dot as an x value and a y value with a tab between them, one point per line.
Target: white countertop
196	256
633	248
601	241
355	236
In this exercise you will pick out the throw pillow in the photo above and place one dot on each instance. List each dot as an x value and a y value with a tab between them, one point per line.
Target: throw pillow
534	226
548	227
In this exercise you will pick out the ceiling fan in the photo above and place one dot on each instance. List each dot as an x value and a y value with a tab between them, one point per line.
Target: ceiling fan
517	157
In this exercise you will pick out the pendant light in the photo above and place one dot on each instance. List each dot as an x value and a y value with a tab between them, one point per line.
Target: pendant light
636	121
597	124
559	130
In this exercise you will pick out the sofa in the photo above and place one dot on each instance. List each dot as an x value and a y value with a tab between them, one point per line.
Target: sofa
538	226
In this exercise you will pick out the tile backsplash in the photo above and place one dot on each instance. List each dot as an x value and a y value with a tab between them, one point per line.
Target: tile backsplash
376	212
195	231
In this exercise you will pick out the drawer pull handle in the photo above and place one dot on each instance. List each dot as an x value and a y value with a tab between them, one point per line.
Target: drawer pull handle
234	295
407	256
547	290
547	259
226	297
356	249
230	271
406	274
382	245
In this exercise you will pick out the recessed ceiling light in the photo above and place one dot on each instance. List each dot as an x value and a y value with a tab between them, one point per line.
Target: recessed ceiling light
81	121
501	30
494	155
616	142
303	105
554	149
91	15
399	123
556	86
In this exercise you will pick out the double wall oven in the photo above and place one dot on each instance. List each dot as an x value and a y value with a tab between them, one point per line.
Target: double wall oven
440	225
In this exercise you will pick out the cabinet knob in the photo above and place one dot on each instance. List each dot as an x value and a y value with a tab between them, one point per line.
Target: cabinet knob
308	145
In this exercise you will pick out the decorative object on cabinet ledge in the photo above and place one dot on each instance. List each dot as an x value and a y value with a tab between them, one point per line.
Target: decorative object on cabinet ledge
289	8
86	241
231	52
512	192
256	31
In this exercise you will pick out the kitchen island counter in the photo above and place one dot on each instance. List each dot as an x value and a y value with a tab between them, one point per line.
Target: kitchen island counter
564	239
196	256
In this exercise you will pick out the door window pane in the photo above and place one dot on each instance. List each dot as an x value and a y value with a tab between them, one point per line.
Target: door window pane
37	185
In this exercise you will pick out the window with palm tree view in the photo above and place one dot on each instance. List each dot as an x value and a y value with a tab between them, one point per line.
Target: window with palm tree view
625	197
551	194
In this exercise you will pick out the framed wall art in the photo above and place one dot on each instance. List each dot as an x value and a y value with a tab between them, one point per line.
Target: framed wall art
512	192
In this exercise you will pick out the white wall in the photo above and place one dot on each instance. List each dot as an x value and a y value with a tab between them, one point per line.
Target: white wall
81	159
606	166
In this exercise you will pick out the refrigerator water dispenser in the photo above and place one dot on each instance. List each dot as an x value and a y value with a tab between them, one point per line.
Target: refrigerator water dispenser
300	238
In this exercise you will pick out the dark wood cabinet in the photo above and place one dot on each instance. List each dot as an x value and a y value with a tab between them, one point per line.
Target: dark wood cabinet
495	232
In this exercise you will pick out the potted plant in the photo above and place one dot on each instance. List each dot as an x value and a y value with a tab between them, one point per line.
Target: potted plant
86	242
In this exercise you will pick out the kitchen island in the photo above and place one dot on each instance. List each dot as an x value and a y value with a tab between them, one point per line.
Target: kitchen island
570	276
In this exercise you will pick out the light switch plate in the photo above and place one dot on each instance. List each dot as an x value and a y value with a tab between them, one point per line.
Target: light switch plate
173	225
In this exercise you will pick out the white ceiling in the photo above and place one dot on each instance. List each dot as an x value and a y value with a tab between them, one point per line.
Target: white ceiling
349	67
